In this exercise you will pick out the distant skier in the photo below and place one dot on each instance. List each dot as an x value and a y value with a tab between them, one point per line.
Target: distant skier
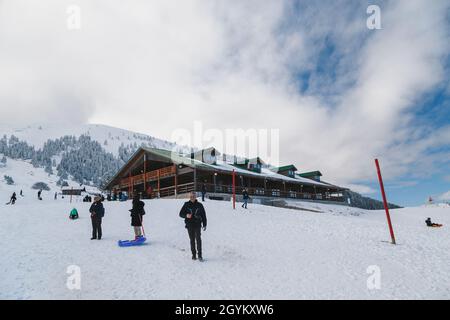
137	212
13	199
203	192
56	195
194	216
245	197
97	212
431	224
39	194
21	193
73	214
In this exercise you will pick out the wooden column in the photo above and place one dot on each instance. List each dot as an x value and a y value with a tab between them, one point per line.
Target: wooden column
195	179
145	171
130	186
158	182
176	180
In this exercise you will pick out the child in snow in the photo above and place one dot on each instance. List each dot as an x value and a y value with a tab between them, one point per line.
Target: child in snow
430	224
97	212
73	214
137	212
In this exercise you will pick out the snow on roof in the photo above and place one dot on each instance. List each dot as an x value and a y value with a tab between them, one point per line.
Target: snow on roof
223	166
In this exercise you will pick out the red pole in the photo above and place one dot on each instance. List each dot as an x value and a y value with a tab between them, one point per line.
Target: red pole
386	208
234	189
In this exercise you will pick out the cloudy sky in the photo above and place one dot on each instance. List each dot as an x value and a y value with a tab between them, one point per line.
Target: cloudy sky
339	93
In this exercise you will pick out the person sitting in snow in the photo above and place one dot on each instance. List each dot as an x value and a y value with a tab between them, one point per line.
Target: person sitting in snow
430	224
97	212
137	212
194	216
73	214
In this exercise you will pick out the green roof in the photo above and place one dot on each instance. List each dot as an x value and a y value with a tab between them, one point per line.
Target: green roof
286	168
310	174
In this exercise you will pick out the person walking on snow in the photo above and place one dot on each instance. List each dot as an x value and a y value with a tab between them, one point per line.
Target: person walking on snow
137	212
13	199
39	194
21	193
97	212
245	197
203	192
56	195
194	216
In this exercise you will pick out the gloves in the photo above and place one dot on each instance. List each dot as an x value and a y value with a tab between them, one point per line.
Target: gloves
204	228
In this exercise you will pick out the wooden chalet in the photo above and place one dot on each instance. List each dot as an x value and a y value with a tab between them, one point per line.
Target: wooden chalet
154	172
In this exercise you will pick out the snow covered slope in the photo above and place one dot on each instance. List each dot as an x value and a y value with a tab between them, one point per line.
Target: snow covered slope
25	175
260	253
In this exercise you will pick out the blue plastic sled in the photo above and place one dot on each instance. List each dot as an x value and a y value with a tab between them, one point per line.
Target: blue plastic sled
131	243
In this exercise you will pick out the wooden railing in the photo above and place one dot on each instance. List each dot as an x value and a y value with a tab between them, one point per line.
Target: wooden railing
149	176
326	196
170	191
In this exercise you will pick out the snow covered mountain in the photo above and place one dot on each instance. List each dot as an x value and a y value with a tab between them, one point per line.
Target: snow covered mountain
89	154
110	138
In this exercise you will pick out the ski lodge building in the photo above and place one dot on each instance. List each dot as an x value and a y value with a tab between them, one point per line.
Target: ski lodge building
155	173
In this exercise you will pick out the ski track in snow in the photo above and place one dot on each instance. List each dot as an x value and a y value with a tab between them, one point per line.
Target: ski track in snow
260	253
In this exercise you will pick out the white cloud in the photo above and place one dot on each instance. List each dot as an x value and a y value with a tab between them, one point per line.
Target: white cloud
445	196
158	66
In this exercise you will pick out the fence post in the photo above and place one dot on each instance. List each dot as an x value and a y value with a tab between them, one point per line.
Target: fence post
234	189
386	207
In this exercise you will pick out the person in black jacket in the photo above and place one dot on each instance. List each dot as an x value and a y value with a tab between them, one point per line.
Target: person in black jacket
13	199
194	216
203	192
245	197
431	224
137	212
97	212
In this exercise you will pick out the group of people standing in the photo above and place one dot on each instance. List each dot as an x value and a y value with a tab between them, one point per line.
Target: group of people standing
192	212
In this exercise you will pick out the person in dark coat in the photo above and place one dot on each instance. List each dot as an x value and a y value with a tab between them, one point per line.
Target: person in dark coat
194	216
245	197
97	212
39	194
13	198
203	192
431	224
137	212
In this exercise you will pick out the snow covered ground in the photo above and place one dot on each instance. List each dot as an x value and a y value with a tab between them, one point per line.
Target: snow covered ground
261	253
